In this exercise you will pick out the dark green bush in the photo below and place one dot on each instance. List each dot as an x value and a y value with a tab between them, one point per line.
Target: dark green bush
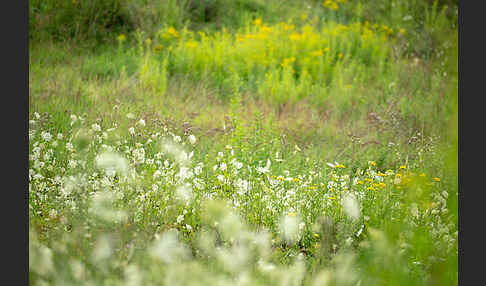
77	19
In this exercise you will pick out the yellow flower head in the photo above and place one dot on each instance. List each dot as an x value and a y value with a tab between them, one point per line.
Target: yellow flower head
171	31
436	179
121	38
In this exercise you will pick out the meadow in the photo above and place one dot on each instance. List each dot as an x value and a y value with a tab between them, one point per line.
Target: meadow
243	142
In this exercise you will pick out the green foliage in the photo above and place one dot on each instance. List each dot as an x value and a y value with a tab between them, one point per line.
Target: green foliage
244	142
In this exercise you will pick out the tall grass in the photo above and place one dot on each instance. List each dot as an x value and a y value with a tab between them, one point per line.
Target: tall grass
280	143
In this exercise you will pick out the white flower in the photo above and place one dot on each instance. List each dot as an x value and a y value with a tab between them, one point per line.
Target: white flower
72	164
141	122
264	170
184	173
36	115
180	218
69	146
53	213
177	139
220	178
130	116
138	156
222	167
236	164
111	163
243	186
157	174
198	184
351	207
46	136
289	228
192	139
198	169
184	193
188	227
96	127
131	130
169	249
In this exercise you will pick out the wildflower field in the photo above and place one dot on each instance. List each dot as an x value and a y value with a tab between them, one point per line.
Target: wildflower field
243	142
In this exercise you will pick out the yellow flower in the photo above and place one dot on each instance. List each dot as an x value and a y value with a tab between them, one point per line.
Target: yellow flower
372	163
317	53
292	214
340	166
371	189
422	175
288	27
436	179
288	61
340	55
402	31
316	235
359	182
332	198
191	44
121	38
330	5
257	22
171	31
295	36
403	167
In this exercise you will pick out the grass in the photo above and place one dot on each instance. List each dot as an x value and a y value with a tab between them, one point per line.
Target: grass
276	145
